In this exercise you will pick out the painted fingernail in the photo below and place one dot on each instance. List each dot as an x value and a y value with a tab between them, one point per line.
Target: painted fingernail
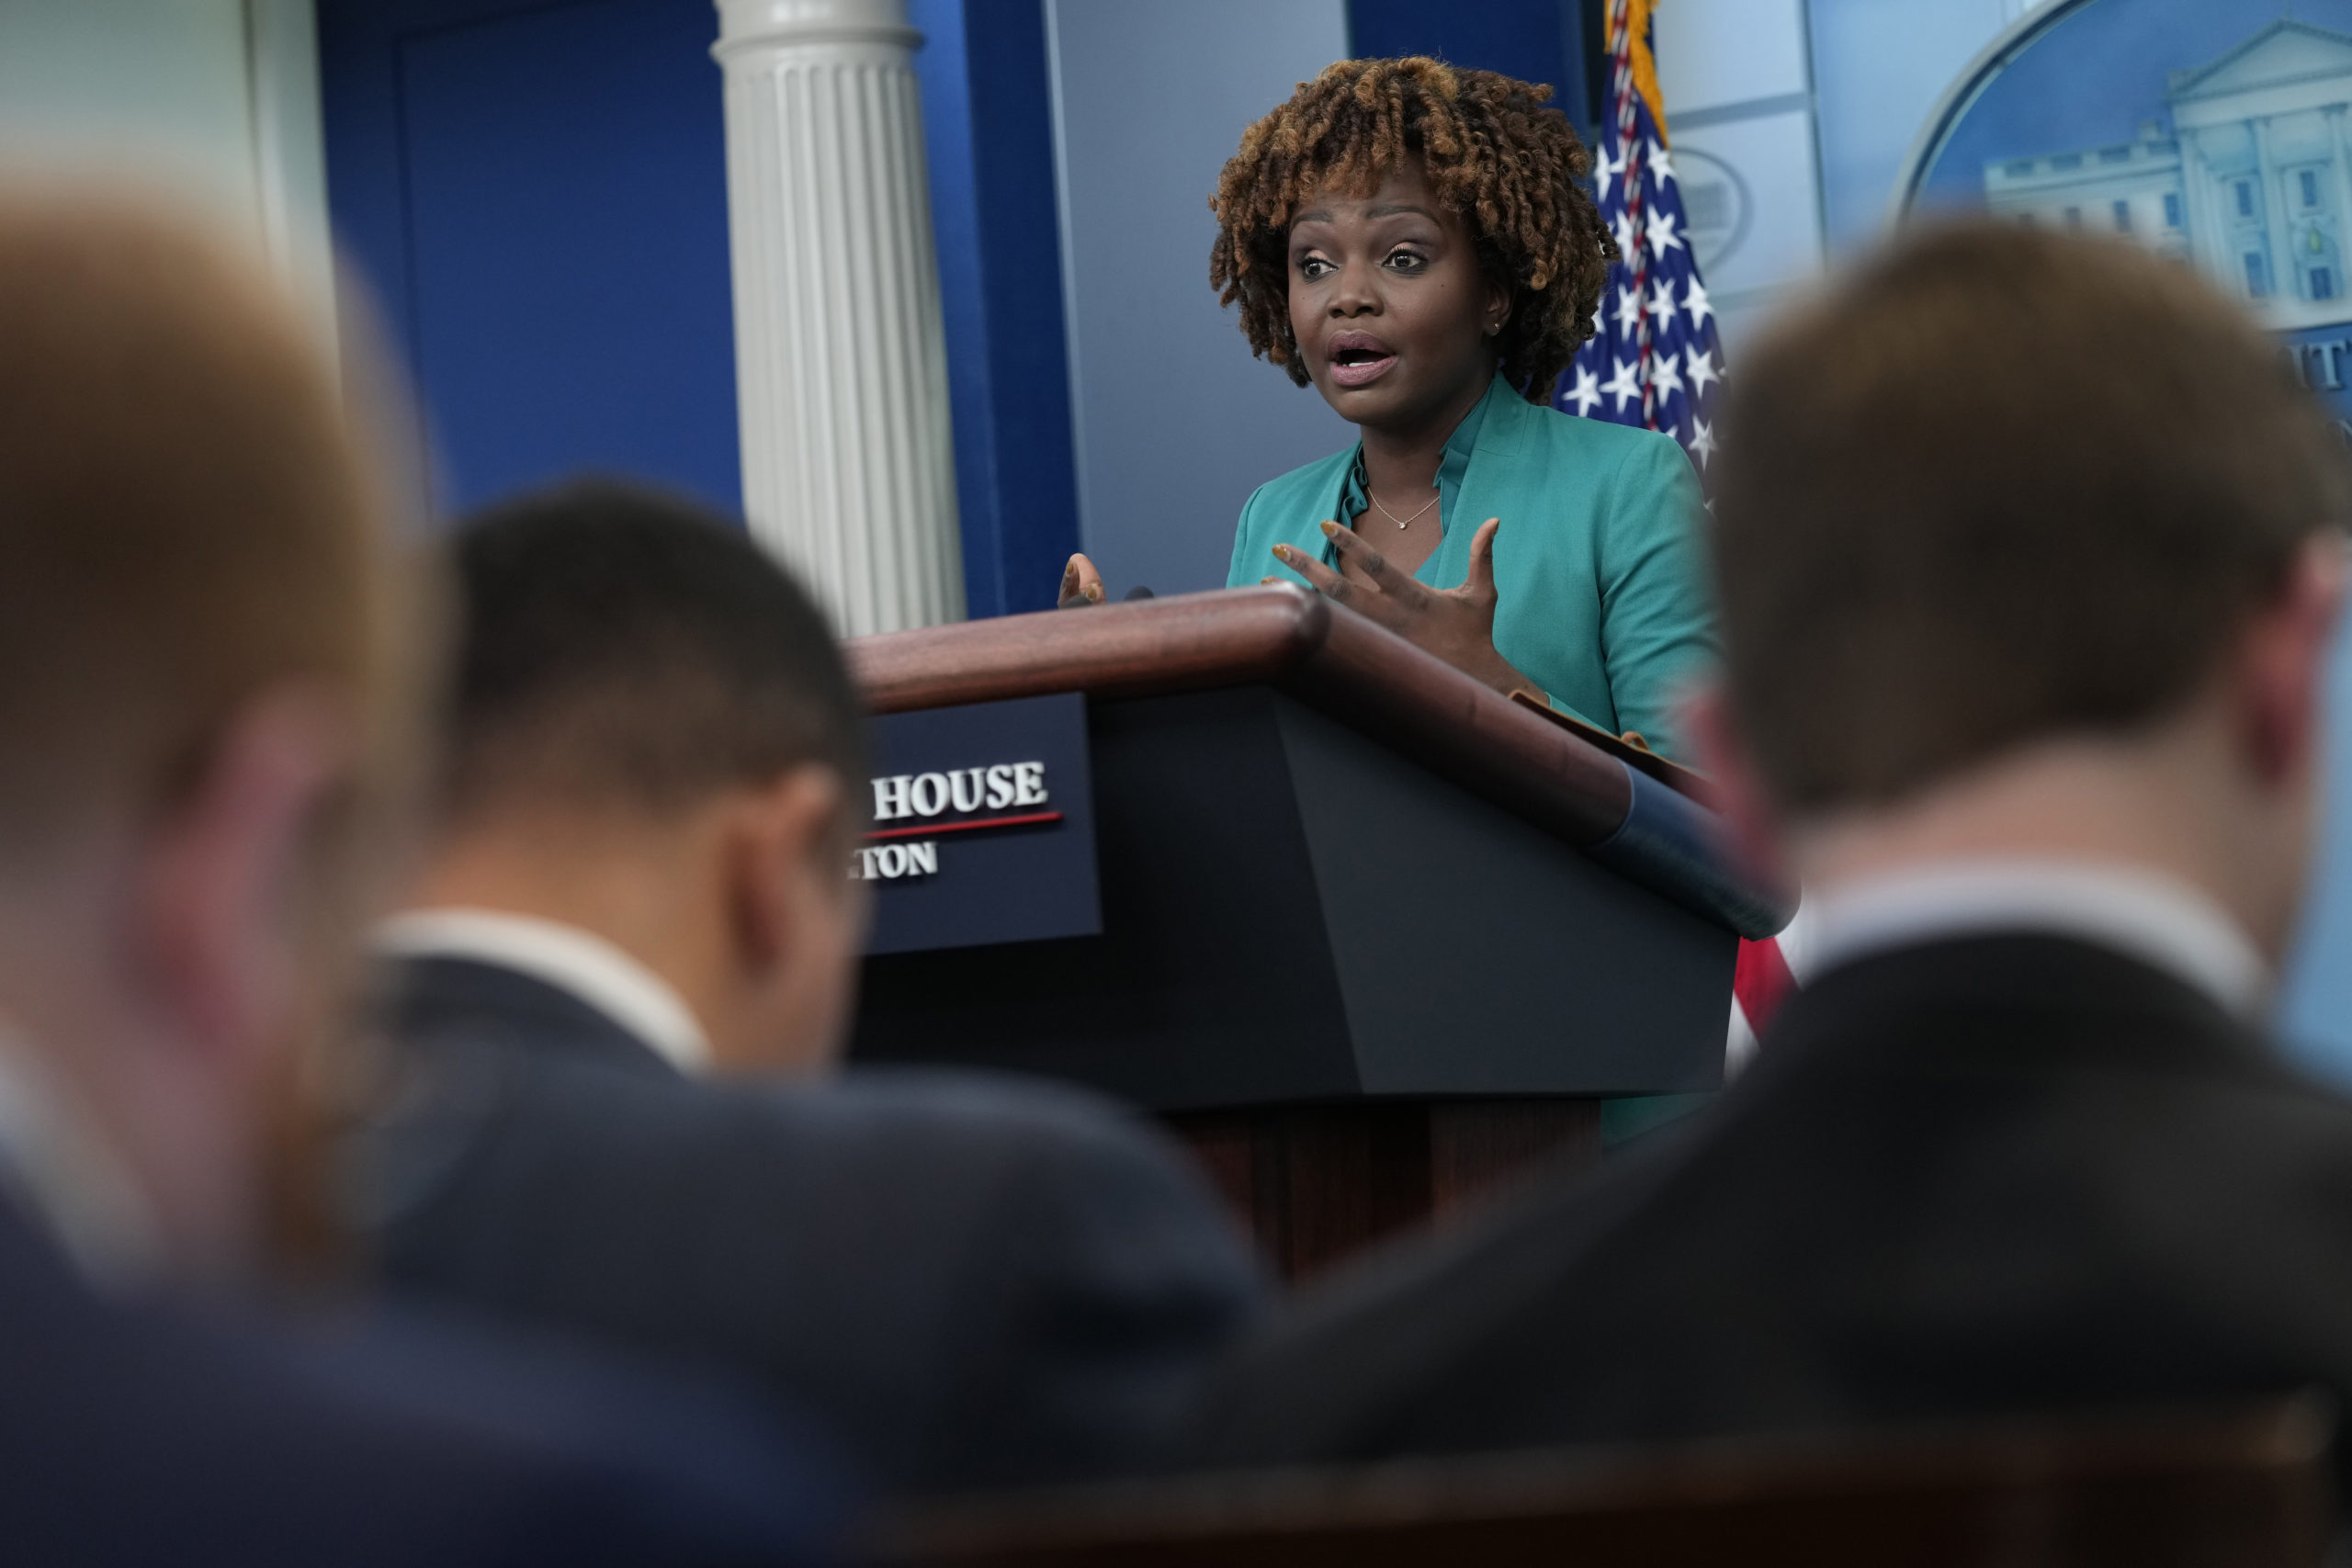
1281	552
1330	530
1268	581
1094	592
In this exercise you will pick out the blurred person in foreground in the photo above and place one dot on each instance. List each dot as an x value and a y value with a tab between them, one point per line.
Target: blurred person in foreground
629	964
2030	551
210	678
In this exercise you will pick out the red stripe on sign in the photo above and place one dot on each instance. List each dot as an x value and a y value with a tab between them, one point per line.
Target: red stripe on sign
966	826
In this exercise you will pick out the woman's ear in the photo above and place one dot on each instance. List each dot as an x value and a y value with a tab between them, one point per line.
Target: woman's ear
1495	308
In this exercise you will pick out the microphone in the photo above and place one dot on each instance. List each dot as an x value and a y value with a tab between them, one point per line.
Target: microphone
1137	591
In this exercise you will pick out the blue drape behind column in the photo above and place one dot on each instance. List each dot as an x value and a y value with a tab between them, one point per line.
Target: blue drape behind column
537	191
988	122
538	194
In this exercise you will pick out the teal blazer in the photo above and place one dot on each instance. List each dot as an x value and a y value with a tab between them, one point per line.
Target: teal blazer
1602	598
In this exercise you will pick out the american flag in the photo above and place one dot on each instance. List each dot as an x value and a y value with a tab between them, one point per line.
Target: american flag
1654	359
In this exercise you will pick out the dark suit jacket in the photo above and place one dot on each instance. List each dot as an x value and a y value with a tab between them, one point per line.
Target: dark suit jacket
975	1281
132	1435
2000	1174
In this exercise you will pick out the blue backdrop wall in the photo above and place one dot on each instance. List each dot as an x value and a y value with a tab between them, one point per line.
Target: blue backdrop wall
1537	40
987	120
537	191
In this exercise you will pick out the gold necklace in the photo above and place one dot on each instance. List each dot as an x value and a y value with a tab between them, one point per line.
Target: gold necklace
1402	522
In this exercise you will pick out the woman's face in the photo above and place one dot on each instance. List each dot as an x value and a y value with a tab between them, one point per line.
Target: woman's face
1393	316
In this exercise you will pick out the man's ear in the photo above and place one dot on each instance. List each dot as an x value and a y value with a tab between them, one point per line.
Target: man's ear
227	876
784	845
2283	662
1749	821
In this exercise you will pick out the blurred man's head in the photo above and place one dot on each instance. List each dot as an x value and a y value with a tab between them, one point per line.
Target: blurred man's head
654	738
2028	543
204	705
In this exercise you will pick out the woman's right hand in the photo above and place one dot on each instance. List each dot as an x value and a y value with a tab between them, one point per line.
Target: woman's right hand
1082	584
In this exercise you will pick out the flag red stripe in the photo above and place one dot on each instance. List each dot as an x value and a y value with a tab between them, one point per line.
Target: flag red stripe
1761	982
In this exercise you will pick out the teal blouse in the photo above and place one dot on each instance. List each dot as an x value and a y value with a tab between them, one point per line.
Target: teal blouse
1602	599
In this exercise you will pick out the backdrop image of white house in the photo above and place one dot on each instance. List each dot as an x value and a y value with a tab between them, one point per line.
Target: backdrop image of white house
2250	180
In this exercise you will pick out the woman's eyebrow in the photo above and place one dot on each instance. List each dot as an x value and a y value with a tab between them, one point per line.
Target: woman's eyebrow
1399	210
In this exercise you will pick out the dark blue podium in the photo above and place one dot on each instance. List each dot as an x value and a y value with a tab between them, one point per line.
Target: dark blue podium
1370	935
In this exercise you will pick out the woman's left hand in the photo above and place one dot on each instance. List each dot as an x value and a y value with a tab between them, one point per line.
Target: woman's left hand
1455	624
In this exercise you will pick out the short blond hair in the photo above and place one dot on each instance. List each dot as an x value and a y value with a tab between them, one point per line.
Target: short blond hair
186	515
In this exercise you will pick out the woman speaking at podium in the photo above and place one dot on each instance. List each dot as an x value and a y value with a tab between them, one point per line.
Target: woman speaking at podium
1416	241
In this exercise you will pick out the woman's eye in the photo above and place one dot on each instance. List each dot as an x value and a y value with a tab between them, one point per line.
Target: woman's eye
1406	261
1313	266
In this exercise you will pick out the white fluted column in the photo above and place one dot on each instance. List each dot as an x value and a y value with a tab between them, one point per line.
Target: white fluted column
840	364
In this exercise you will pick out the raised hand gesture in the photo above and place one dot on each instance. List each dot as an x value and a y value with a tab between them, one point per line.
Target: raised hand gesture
1455	624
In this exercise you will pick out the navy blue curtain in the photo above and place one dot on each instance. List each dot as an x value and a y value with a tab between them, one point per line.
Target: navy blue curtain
1535	41
537	191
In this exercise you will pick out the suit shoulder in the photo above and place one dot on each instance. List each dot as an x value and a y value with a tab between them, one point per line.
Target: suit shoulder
986	1116
913	1137
387	1440
1084	1180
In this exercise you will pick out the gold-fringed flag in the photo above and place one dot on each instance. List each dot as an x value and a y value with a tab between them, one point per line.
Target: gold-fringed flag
1654	359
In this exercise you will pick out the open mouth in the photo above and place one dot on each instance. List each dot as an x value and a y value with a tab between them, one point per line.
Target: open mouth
1358	358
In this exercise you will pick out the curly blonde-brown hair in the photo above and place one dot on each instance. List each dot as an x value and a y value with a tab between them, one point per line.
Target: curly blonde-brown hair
1513	168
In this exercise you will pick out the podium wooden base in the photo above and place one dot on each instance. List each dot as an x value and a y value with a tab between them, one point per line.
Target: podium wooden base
1316	1184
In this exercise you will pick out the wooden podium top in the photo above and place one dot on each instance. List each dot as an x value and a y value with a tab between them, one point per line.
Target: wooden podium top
1281	635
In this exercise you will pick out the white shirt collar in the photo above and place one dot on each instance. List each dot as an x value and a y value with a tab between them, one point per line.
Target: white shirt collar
580	962
69	1179
2156	919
